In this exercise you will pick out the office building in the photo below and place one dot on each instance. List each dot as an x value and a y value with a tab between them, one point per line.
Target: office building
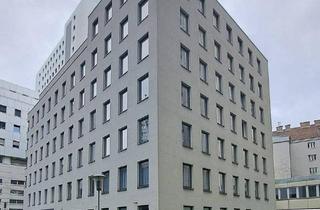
75	33
15	103
169	100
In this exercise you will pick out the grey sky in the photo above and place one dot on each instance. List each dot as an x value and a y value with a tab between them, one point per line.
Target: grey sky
286	31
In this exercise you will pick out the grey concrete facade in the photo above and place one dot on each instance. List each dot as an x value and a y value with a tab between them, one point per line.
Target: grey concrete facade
15	103
169	186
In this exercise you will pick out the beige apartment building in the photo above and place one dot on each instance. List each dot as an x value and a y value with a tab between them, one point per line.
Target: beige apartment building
296	165
169	100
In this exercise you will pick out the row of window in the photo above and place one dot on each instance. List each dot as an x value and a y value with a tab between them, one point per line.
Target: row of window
184	25
143	94
15	143
3	109
143	182
16	128
298	192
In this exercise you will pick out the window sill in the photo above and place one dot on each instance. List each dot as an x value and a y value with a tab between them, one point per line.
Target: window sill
222	158
140	60
122	39
105	156
204	81
91	162
121	112
205	117
235	163
232	101
234	132
185	31
122	190
248	197
187	107
203	47
206	153
187	147
188	188
142	100
105	193
247	167
219	91
185	68
122	150
236	195
207	191
222	193
143	186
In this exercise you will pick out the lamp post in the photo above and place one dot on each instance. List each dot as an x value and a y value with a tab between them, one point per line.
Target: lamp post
98	179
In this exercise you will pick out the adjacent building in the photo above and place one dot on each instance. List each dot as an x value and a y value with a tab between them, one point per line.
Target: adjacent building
169	100
15	103
75	33
296	164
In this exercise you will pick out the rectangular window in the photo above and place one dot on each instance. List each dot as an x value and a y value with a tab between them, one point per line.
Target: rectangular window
222	183
82	70
254	134
202	37
143	10
72	80
250	57
253	108
64	89
70	162
187	176
229	34
231	92
91	187
3	109
185	95
143	47
217	51
205	142
107	45
206	180
106	182
109	12
106	143
257	190
56	96
17	113
218	82
94	58
93	87
234	153
95	28
266	192
52	195
122	184
221	148
259	66
201	7
80	127
230	63
93	119
106	111
71	107
79	188
17	128
186	135
92	150
81	98
247	188
107	77
204	106
143	174
123	139
264	165
261	115
143	125
124	26
243	101
242	74
203	71
69	190
143	85
184	57
260	91
70	140
263	141
184	21
216	19
219	113
61	166
2	125
246	159
240	46
233	122
244	129
80	152
123	101
124	63
235	185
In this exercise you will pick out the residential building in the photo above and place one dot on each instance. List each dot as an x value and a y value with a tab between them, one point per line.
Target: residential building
296	164
15	103
140	107
75	33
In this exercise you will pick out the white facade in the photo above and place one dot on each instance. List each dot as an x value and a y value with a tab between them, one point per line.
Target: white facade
75	33
133	103
296	166
15	103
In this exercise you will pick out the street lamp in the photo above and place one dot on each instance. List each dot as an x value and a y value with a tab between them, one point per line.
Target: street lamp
98	179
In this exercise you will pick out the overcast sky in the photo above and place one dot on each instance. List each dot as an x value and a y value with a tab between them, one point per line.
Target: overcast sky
286	31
